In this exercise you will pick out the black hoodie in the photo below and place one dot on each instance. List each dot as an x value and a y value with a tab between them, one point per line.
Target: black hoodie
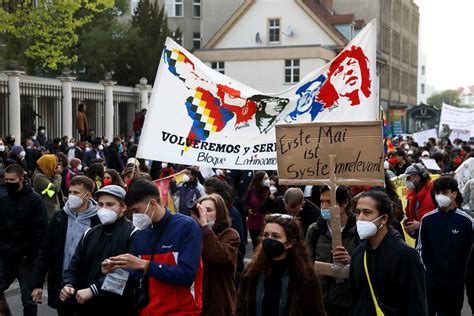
23	222
397	276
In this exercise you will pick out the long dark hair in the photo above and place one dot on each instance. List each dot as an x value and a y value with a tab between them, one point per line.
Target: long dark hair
299	263
256	182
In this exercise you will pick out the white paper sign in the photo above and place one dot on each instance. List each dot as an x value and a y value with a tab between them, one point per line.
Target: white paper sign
430	164
457	118
461	134
422	137
116	281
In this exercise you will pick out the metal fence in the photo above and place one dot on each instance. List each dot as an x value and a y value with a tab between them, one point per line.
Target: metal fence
41	105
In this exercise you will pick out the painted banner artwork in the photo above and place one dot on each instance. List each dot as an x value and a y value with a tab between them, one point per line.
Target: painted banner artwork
198	116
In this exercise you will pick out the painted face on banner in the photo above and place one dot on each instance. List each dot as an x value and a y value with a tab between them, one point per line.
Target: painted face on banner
347	77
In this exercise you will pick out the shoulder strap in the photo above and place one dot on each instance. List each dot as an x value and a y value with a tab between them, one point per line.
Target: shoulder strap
160	234
378	310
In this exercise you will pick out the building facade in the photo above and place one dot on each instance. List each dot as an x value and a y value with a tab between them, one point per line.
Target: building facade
424	89
398	23
271	45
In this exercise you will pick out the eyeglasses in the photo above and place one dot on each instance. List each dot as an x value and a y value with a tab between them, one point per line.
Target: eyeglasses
278	215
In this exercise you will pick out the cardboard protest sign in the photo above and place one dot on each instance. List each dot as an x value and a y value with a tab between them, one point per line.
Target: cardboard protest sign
303	152
430	164
422	137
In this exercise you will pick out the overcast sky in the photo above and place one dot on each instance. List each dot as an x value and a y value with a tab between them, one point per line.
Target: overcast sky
446	38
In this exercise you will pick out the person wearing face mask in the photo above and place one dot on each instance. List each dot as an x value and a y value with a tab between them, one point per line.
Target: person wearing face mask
280	279
258	191
444	244
112	237
166	251
336	293
73	150
220	245
62	237
386	275
96	154
17	155
47	182
398	162
166	170
419	198
189	190
295	204
23	222
111	176
41	138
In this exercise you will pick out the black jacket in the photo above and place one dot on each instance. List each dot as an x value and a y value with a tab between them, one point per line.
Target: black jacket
51	257
23	222
98	244
308	215
397	277
114	161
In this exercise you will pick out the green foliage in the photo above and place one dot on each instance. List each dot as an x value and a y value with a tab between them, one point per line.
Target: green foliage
450	97
47	31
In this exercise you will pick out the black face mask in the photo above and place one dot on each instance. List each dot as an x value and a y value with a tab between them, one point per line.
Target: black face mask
273	248
12	186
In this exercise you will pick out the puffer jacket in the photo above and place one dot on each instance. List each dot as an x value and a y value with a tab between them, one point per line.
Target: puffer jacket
468	195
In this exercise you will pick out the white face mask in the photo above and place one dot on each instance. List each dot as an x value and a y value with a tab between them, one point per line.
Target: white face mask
410	185
88	149
2	148
100	147
211	224
33	138
273	189
164	165
367	229
141	220
79	167
443	200
70	145
219	173
106	216
186	178
22	154
266	183
75	201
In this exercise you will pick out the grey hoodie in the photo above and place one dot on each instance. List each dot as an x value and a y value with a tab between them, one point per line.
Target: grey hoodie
77	224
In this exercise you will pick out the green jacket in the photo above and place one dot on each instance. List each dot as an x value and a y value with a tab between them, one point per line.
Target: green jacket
49	190
336	293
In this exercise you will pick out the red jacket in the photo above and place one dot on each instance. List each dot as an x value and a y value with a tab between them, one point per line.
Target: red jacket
425	202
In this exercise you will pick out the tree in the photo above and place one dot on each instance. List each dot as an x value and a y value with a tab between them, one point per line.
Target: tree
143	44
46	33
450	97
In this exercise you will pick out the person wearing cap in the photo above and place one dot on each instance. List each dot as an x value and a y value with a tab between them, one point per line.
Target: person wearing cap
62	236
17	155
47	182
444	244
419	198
85	279
96	154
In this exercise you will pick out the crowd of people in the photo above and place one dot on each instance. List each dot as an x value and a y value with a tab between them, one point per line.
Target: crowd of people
86	218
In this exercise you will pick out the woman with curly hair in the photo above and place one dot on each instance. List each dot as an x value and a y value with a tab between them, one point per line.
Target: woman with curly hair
280	279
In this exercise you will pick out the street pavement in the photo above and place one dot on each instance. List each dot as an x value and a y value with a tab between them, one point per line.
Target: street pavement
13	296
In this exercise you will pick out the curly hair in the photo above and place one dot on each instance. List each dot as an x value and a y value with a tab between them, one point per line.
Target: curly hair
299	263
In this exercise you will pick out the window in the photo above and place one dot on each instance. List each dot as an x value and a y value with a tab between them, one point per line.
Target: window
197	8
292	70
274	31
174	8
405	50
218	66
422	88
396	45
423	69
196	40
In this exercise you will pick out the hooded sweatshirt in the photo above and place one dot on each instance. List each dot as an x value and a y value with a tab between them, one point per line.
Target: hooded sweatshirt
77	225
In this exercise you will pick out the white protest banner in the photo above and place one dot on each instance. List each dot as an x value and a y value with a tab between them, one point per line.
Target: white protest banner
457	118
430	164
198	116
462	134
422	137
